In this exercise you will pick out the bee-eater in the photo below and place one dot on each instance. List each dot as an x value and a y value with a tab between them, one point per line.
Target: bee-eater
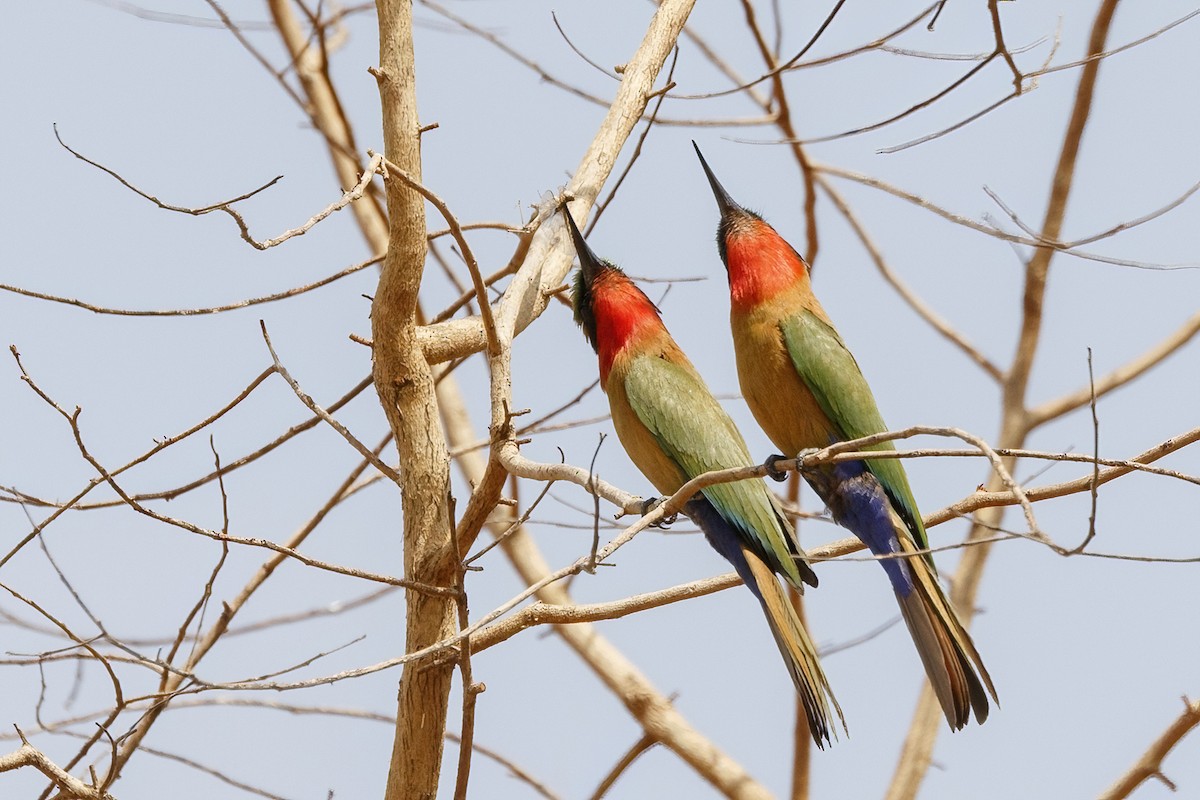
806	391
674	429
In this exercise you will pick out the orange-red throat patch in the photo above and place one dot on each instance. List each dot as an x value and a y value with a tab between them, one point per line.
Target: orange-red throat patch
625	317
761	265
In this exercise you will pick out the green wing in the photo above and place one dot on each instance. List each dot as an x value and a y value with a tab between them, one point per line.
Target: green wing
832	375
694	431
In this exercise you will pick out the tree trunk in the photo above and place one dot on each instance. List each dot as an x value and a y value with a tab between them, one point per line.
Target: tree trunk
405	386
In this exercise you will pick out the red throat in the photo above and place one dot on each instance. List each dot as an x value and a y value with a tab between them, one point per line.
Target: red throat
761	265
624	317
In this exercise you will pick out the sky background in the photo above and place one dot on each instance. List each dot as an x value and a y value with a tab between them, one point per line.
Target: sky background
1090	656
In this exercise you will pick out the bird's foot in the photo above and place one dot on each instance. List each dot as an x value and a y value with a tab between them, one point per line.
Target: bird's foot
803	454
651	503
774	472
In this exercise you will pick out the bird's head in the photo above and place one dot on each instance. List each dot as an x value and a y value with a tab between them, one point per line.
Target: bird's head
757	259
608	306
736	222
589	280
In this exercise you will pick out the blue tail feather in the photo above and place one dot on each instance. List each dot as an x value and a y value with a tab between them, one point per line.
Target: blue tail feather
723	537
858	502
799	654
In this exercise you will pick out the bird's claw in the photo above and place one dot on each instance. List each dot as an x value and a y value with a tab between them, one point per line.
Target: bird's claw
651	503
803	454
774	472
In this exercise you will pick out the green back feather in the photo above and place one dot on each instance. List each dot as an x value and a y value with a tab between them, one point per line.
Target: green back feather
830	372
694	431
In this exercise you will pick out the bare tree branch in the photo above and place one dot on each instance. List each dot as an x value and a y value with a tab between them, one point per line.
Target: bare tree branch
405	385
191	312
1040	415
1150	764
29	756
550	255
917	752
918	305
348	197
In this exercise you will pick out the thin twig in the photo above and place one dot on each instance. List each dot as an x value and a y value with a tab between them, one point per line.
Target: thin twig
601	205
592	478
226	206
1108	53
1039	415
191	312
201	605
118	693
605	72
312	406
849	644
235	29
883	123
515	526
216	773
1113	231
516	771
470	689
625	762
1001	47
1093	490
109	478
935	320
990	230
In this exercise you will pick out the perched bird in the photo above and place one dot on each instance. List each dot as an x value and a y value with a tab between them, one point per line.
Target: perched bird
806	391
674	429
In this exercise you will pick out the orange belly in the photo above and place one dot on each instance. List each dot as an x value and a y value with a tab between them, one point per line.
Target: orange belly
637	439
781	403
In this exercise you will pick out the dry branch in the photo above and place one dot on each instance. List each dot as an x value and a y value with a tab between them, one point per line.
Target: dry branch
29	756
327	115
404	383
191	312
1150	764
550	254
917	752
359	188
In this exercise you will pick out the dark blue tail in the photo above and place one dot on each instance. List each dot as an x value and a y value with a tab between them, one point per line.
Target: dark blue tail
723	537
858	502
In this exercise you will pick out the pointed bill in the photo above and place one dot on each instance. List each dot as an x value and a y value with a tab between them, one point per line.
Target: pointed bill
589	262
724	202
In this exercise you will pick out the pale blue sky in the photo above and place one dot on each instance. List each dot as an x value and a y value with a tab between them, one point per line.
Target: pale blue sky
1089	656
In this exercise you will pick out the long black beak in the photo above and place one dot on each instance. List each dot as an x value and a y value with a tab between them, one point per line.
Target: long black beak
589	262
724	202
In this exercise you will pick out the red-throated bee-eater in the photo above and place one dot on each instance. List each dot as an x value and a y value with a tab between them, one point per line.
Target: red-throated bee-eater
674	429
806	391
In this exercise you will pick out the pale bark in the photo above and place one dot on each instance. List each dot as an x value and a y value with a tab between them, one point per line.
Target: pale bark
549	257
404	383
29	756
1150	764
